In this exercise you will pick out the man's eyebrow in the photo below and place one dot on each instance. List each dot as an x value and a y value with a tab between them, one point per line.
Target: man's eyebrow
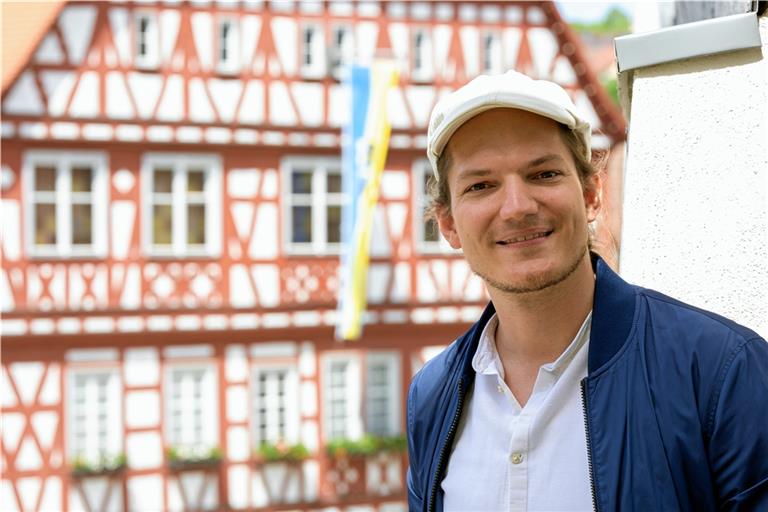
474	173
544	159
479	173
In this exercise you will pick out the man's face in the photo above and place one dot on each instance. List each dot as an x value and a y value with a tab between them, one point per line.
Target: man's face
518	208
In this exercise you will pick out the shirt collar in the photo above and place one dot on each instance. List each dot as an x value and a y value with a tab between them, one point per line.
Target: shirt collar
487	362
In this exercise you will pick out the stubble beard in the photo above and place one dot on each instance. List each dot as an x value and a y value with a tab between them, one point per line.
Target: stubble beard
536	283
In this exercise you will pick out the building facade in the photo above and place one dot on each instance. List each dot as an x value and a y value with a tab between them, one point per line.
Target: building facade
170	242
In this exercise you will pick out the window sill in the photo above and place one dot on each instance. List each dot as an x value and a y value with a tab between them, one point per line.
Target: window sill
201	253
422	79
147	67
185	257
300	251
38	256
79	473
190	465
228	72
313	75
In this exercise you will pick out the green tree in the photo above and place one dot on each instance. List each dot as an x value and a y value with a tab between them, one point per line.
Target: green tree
614	23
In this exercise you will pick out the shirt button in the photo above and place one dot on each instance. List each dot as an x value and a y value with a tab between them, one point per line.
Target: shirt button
517	458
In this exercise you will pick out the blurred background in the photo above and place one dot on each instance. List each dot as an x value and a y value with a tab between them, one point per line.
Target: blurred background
171	210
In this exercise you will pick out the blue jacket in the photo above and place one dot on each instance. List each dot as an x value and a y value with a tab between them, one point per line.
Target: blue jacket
675	403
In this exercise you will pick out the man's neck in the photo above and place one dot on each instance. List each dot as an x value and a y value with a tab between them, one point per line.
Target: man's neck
536	327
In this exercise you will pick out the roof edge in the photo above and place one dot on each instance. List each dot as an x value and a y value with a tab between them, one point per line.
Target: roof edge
20	40
707	37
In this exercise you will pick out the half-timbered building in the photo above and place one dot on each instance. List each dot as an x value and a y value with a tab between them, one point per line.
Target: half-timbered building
170	243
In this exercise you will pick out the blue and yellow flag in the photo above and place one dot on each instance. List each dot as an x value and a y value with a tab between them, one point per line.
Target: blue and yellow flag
365	140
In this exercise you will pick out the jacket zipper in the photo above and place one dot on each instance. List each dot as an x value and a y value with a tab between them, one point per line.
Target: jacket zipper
589	445
441	459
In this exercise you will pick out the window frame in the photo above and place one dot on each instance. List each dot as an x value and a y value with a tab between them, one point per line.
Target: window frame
209	414
63	162
319	202
392	360
497	63
354	428
151	58
115	440
356	394
316	51
340	55
420	170
180	165
291	398
425	72
232	64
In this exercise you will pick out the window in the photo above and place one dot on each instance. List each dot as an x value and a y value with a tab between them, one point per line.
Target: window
342	51
422	56
426	231
182	210
382	385
342	398
492	60
147	40
67	207
275	400
377	411
228	47
313	205
312	52
192	413
95	423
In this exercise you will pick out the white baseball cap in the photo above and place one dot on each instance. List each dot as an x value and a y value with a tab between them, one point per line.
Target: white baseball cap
508	90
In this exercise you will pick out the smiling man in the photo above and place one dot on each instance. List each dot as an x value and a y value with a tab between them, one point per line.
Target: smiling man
574	390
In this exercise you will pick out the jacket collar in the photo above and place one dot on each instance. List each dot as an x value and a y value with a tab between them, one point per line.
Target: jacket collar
613	311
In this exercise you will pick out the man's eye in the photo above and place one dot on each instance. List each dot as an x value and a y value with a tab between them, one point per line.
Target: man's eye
476	186
547	175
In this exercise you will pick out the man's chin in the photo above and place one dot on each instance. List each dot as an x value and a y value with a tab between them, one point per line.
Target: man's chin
529	284
533	281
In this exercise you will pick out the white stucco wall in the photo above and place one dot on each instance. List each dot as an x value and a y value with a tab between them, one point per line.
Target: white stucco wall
695	215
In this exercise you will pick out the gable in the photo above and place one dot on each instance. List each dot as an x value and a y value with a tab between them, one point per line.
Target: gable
85	69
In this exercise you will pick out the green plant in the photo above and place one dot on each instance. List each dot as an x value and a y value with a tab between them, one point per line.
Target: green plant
614	23
281	452
369	444
612	88
394	443
104	464
193	454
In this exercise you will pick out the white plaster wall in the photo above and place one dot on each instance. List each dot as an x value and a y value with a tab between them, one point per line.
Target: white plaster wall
145	492
142	409
695	217
238	486
24	97
76	23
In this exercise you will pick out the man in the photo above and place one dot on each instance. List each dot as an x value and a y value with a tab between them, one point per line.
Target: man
574	390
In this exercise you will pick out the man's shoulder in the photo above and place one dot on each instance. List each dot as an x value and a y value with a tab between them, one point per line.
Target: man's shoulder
670	313
680	335
439	376
443	366
450	364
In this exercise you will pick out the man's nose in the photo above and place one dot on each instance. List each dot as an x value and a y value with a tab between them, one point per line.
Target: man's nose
518	201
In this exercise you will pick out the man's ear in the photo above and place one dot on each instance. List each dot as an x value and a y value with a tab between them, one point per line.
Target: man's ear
593	195
448	227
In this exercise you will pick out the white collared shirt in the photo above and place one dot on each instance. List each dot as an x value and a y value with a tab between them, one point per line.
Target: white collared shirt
532	458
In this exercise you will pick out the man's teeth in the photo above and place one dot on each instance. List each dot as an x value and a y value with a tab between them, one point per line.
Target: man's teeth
525	238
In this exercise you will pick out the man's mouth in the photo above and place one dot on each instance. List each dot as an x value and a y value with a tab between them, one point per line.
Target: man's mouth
524	238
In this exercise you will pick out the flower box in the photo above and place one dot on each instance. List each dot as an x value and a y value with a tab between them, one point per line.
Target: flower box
106	465
182	458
